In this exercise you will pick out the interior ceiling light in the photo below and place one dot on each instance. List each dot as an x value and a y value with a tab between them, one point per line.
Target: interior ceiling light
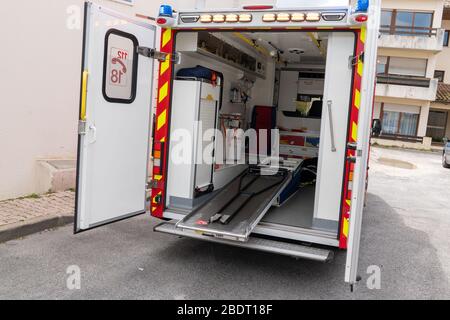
296	51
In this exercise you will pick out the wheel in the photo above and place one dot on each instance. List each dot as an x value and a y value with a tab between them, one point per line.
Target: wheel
444	162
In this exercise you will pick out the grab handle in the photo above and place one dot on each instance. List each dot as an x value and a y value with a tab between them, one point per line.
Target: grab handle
330	115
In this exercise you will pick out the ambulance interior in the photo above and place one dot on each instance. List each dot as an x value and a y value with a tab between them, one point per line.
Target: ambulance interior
262	80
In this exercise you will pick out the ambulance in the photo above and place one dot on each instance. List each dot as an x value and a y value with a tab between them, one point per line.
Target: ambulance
295	79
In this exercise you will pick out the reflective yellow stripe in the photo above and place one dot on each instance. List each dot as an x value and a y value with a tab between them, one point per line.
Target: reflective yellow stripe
360	68
349	202
161	120
167	36
345	227
163	91
158	177
354	131
357	98
163	139
84	95
165	65
363	35
154	198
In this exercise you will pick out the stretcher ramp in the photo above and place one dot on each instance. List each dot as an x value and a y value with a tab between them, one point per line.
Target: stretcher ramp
236	210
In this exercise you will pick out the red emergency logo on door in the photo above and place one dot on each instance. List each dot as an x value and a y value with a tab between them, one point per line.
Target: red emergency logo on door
119	67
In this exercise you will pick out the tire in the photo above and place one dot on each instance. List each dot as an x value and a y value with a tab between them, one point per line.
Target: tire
444	163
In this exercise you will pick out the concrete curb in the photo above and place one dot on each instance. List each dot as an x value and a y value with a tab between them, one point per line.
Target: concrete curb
25	228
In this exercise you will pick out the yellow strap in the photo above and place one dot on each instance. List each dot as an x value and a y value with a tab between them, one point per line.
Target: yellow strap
84	94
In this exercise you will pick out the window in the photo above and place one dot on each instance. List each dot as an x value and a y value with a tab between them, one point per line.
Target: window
382	65
120	67
439	74
406	22
446	34
400	123
402	66
408	66
386	18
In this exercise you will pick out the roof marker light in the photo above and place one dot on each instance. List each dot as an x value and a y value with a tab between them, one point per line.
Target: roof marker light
333	16
189	18
298	17
283	17
245	17
232	18
205	18
313	16
269	17
219	18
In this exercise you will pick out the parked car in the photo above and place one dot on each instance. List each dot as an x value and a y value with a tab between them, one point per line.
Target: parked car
446	154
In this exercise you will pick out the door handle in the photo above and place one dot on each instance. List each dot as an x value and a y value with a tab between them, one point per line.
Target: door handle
93	129
330	116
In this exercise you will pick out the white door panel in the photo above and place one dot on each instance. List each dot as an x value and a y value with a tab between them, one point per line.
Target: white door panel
363	141
333	133
113	152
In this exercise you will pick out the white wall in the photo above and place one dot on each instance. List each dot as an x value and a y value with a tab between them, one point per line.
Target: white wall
40	85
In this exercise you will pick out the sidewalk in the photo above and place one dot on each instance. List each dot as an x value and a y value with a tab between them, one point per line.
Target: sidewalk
24	216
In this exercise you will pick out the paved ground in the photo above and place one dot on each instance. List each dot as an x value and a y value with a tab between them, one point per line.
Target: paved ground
19	217
28	208
406	233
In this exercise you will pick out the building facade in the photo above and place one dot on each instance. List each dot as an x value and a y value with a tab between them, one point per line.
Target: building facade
439	118
411	39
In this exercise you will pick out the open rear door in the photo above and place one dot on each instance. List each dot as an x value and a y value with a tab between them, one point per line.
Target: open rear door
115	112
363	143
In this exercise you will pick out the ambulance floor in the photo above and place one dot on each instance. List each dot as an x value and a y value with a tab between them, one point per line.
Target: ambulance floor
297	211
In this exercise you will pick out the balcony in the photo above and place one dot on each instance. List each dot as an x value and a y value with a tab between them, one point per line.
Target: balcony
406	87
426	39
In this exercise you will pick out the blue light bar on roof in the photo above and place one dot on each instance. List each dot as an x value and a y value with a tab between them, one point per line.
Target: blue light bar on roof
165	11
362	6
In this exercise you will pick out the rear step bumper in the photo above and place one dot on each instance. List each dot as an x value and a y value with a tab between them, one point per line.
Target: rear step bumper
266	245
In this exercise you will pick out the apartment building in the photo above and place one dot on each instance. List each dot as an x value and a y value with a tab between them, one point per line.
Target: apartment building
411	38
439	118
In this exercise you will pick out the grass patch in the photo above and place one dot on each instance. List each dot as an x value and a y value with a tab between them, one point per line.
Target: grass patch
30	196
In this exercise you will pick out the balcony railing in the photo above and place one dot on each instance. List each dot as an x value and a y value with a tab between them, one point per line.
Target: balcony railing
403	80
387	136
409	31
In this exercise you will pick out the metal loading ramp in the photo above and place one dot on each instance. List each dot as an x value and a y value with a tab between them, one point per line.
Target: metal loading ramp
273	246
236	210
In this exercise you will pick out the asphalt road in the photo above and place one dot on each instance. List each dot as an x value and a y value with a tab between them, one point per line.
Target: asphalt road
405	232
